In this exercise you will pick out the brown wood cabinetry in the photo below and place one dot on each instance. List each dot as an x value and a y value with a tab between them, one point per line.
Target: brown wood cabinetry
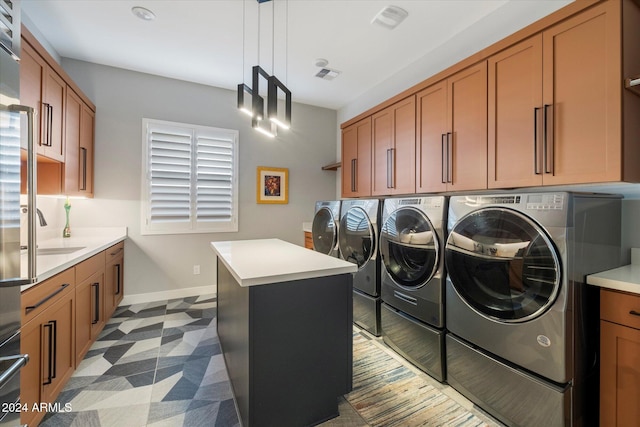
545	106
431	139
308	240
515	116
78	163
90	294
64	131
555	104
356	159
393	154
44	90
113	278
61	319
47	335
619	359
451	146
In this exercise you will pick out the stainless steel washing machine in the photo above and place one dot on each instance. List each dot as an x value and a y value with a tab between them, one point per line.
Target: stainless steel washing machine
412	280
523	340
358	243
324	228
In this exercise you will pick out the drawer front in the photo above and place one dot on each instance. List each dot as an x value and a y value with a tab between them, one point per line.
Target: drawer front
621	308
89	267
114	251
38	298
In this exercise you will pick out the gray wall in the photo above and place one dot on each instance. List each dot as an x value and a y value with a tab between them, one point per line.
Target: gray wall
164	263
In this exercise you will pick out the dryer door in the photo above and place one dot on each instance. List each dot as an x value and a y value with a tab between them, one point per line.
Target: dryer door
324	231
409	247
357	238
502	264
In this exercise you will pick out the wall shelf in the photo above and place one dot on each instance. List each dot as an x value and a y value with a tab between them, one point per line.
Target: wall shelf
332	166
633	84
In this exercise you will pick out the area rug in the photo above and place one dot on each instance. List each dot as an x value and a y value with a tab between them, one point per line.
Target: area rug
387	393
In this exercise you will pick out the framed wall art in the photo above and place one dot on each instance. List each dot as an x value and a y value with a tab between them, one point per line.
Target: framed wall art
272	185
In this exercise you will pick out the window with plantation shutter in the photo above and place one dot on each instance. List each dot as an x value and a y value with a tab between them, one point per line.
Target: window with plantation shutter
189	178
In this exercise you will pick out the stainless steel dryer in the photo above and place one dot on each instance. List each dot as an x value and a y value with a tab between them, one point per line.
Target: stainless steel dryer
524	325
412	280
324	228
358	243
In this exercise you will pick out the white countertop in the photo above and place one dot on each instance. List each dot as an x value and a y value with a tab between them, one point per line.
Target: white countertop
89	242
626	278
260	262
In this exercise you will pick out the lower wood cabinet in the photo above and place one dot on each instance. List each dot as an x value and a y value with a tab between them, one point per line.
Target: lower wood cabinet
619	359
49	340
113	278
90	313
61	318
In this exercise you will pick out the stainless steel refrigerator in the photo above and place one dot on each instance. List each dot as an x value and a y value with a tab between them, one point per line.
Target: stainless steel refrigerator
16	131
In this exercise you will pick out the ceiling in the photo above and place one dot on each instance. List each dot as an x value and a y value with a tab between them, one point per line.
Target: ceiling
215	42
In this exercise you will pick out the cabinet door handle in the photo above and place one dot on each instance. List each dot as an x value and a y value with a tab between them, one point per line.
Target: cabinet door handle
450	157
634	313
548	142
48	326
391	168
51	362
83	179
354	165
120	249
444	161
118	285
30	308
96	302
44	124
536	137
50	125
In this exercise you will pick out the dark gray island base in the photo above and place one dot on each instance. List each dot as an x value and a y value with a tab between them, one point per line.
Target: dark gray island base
287	347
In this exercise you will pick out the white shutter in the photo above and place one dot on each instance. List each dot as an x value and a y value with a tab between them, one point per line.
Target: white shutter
190	178
214	179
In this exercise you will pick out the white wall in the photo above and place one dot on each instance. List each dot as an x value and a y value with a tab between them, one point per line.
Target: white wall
165	263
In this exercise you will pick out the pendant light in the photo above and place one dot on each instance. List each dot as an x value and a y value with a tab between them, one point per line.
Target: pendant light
249	99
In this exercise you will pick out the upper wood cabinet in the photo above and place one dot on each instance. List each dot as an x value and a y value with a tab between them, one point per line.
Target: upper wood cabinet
555	105
64	128
356	159
78	164
515	116
44	90
451	147
431	139
393	155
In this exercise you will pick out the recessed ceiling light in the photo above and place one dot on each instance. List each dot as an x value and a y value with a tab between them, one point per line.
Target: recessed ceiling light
390	17
143	13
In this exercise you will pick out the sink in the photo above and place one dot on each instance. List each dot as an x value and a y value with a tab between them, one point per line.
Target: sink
58	251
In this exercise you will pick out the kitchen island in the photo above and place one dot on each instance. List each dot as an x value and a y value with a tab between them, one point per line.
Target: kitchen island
284	323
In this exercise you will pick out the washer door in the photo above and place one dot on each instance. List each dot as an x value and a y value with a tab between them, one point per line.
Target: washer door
502	264
409	247
324	231
357	238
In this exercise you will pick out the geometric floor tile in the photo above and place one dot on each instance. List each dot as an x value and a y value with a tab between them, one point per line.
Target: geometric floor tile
159	364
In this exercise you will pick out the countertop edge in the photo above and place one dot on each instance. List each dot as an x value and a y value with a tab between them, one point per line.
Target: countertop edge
626	279
105	244
348	268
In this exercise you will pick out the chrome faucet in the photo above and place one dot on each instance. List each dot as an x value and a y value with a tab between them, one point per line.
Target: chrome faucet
43	222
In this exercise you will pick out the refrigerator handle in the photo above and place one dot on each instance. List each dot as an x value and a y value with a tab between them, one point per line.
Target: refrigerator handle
31	192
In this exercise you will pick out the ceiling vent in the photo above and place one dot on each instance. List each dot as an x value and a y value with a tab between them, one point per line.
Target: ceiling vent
327	74
390	17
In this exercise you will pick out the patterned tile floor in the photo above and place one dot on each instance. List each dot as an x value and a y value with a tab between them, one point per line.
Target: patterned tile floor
159	364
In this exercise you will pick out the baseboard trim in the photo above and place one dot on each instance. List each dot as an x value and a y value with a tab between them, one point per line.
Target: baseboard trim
166	295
